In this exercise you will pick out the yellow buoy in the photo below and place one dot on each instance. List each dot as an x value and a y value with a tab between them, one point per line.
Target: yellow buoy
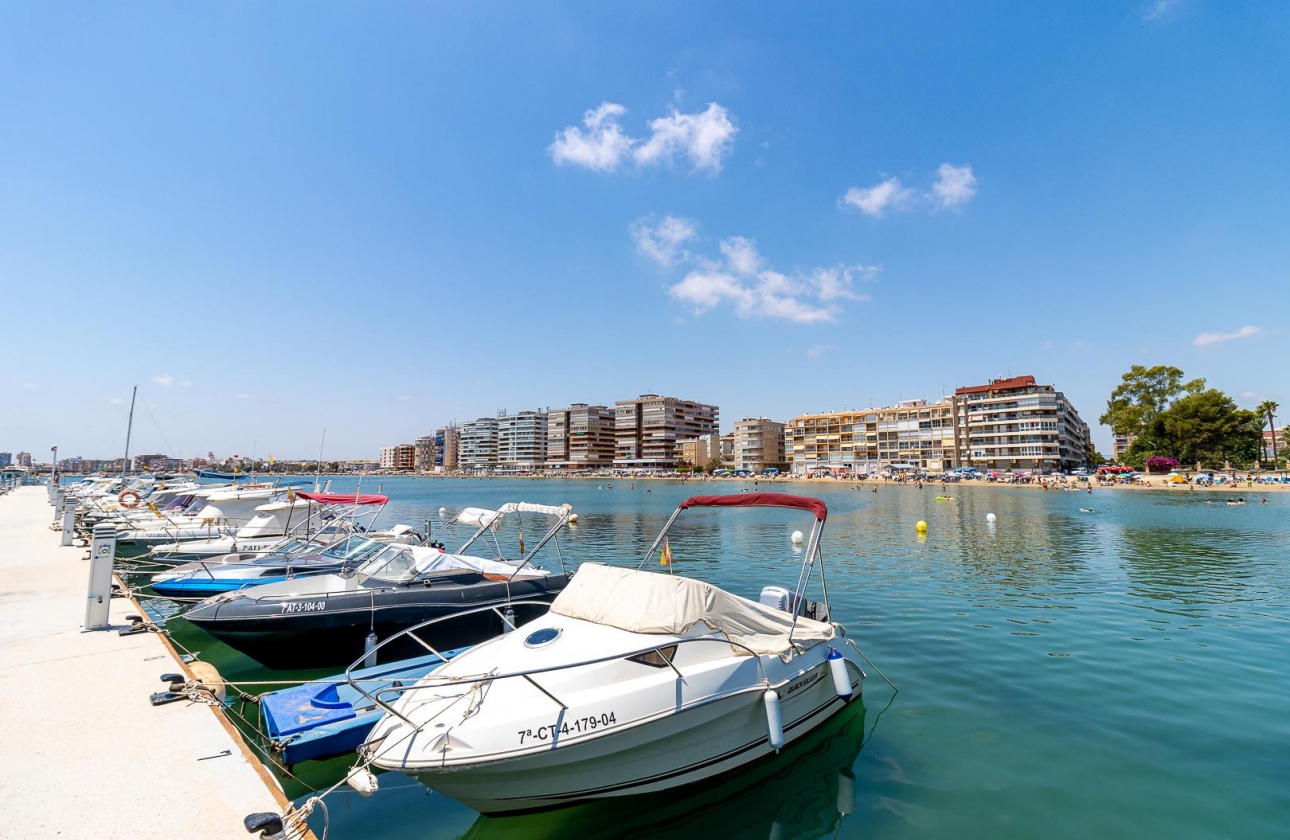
921	526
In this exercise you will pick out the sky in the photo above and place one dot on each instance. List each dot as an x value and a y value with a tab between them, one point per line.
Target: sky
373	219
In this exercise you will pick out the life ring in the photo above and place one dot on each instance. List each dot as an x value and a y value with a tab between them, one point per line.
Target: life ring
129	499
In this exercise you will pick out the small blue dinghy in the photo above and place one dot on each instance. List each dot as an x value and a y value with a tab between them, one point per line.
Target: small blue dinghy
330	717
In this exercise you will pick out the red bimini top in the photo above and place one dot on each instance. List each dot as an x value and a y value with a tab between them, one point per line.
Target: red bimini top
788	500
344	498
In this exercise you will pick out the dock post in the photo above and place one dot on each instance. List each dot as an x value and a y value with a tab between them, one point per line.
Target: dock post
69	523
59	504
102	555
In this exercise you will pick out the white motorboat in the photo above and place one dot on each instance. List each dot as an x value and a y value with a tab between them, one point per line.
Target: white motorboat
225	511
633	682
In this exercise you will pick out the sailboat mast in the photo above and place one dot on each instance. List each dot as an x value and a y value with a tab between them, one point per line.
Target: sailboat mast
318	475
125	463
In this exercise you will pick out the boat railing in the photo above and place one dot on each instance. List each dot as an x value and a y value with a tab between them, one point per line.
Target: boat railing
379	697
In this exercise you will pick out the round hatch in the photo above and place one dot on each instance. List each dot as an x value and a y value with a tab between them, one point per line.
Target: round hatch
543	637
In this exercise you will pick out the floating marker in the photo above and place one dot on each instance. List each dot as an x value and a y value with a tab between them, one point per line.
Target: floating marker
798	536
989	517
921	526
573	517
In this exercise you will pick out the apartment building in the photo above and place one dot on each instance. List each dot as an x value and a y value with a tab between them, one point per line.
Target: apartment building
387	457
1119	445
427	450
700	451
448	441
913	434
1016	424
478	451
521	441
580	437
648	428
758	444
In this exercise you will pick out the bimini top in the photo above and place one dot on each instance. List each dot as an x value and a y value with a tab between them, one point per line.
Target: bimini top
788	500
649	602
344	498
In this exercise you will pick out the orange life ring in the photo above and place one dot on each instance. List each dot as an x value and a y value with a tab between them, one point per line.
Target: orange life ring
129	499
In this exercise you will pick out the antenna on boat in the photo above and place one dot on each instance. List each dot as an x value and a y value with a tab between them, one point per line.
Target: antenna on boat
318	475
125	462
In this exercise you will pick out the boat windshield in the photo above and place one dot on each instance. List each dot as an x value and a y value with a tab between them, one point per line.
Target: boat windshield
394	563
353	548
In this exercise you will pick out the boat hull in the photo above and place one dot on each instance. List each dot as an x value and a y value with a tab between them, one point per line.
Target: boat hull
686	747
330	629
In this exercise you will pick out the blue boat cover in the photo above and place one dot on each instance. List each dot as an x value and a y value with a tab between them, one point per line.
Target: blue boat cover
306	707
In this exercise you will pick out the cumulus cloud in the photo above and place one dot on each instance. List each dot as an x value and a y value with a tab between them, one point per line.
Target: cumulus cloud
742	281
704	139
165	380
1207	338
874	201
664	242
1161	10
954	186
602	147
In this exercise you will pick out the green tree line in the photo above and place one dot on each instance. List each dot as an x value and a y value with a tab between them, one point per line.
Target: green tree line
1184	419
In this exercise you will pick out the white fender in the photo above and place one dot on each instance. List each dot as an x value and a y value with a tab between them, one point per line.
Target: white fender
841	679
773	724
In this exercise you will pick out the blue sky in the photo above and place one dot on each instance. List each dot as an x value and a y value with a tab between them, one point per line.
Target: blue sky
375	218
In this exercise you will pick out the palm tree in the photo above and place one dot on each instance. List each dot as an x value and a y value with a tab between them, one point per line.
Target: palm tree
1268	409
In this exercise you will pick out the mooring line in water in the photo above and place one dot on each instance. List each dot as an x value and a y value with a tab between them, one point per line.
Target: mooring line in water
876	669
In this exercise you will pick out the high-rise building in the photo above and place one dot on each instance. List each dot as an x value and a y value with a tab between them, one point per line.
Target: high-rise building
913	434
23	459
405	457
1119	445
759	445
479	445
1016	424
448	439
580	437
521	441
426	449
387	457
646	429
6	458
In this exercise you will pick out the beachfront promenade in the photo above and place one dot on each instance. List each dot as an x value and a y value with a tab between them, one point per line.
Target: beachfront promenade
84	753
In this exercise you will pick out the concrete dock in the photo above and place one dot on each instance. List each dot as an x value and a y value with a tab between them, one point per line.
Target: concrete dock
84	754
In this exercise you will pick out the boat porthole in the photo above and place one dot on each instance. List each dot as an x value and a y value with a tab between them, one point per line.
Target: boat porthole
543	637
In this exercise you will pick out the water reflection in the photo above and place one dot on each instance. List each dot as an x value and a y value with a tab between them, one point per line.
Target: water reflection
805	792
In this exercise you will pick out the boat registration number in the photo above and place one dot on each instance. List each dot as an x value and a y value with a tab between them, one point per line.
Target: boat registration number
302	606
569	727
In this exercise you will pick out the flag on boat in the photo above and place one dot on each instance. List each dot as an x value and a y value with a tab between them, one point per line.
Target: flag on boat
665	556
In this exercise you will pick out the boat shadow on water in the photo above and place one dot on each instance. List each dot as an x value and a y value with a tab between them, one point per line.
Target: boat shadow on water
804	792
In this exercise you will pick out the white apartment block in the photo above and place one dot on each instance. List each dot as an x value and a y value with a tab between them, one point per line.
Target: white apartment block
478	451
1015	424
521	441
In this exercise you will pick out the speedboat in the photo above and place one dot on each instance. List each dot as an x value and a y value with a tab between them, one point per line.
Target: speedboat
224	512
633	682
331	619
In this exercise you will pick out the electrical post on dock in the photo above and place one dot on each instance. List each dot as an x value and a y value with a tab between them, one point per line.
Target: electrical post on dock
69	523
102	555
59	502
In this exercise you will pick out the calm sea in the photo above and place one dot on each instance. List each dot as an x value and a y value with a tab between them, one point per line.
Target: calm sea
1123	672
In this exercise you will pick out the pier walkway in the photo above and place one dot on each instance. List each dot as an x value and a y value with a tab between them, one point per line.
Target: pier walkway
84	754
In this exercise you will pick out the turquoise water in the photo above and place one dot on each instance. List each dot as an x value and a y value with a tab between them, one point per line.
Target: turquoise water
1120	673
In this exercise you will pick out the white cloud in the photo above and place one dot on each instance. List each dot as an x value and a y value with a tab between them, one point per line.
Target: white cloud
664	242
404	398
1161	9
955	185
704	139
601	148
245	396
165	380
742	281
1207	338
818	350
874	201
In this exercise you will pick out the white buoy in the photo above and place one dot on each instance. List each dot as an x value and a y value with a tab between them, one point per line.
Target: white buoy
989	517
362	781
369	650
773	724
841	679
443	511
798	537
573	517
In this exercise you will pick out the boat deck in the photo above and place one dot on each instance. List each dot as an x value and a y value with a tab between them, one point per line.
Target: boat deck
84	753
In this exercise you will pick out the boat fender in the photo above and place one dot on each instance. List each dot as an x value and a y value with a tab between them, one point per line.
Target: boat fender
369	650
773	724
841	679
207	675
362	781
508	620
268	825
